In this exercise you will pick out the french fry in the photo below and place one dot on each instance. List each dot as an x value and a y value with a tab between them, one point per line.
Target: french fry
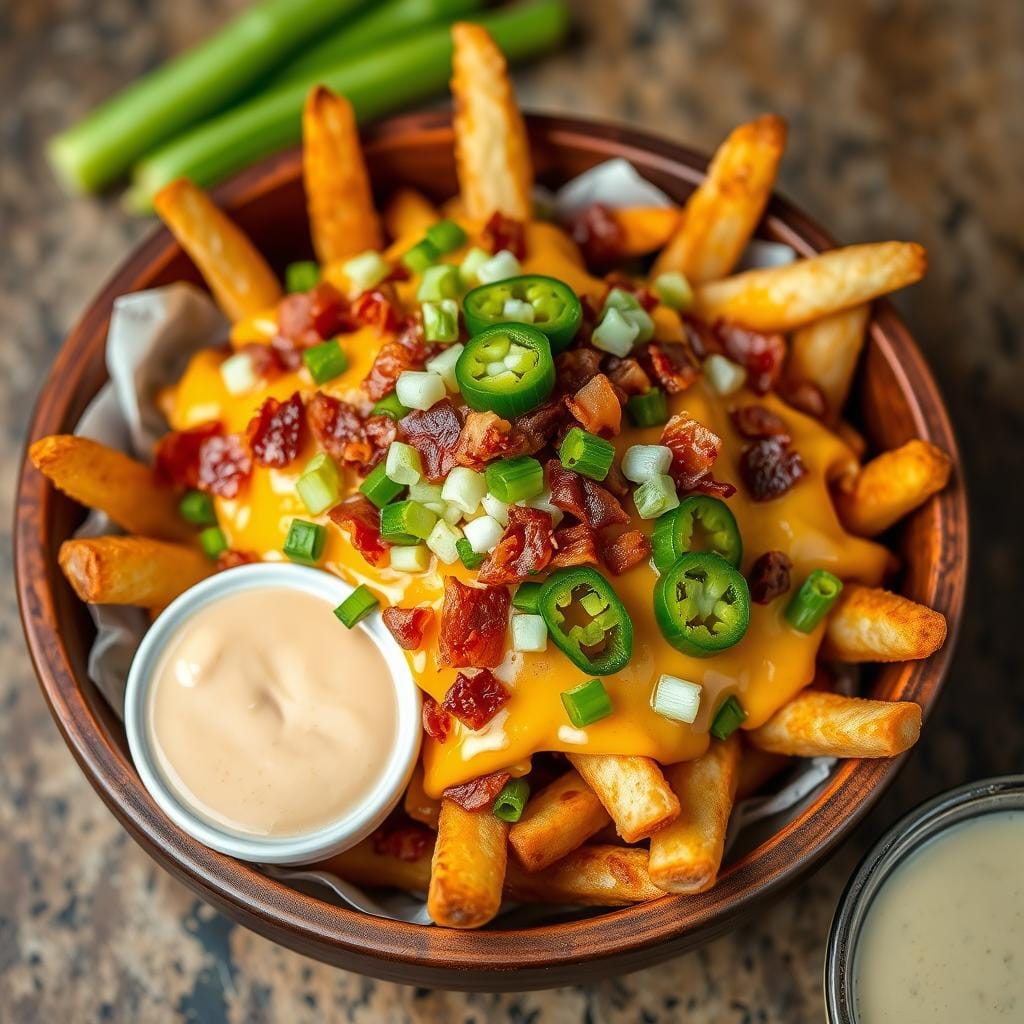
468	868
492	154
720	216
817	723
871	624
417	804
592	876
408	213
342	217
131	570
239	277
633	790
686	855
557	820
825	353
366	864
851	437
645	228
108	480
891	485
784	298
757	769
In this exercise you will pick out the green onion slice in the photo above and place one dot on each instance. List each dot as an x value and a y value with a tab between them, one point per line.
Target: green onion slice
586	453
811	603
511	801
356	606
512	480
587	703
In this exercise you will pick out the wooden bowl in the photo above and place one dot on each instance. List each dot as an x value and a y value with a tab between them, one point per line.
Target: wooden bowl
896	399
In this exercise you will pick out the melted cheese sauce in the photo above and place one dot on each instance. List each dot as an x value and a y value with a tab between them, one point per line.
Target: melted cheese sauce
770	665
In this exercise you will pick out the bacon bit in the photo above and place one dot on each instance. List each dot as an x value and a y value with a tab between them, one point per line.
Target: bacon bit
576	368
375	309
473	625
478	794
770	468
769	577
598	233
804	395
406	351
176	459
474	700
694	451
434	433
275	432
628	549
231	559
484	436
307	318
502	232
524	549
628	376
761	355
338	428
596	406
701	338
755	422
407	843
437	723
671	365
537	429
267	362
647	299
360	518
380	432
575	545
407	625
583	498
225	464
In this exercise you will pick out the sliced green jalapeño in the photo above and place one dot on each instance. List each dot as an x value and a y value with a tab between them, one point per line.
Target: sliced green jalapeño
698	523
507	369
702	604
587	621
554	308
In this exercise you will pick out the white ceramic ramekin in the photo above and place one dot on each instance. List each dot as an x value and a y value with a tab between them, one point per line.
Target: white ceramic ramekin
396	767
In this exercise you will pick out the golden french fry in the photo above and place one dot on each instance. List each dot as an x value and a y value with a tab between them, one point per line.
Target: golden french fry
757	768
825	353
131	570
417	804
633	790
891	485
468	869
817	723
108	480
367	865
645	228
686	855
720	216
342	217
557	820
851	437
492	153
239	277
871	624
408	213
592	876
784	298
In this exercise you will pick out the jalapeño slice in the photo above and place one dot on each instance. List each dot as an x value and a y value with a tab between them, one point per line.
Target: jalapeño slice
507	369
556	311
587	621
702	604
698	523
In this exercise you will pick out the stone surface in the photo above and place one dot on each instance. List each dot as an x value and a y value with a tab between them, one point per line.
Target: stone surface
904	122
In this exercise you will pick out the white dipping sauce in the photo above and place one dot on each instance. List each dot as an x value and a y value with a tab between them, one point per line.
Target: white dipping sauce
943	939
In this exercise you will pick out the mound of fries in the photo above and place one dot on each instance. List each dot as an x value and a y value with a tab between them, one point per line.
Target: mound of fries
567	847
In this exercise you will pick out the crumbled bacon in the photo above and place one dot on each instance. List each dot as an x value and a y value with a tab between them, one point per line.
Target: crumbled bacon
671	365
628	549
437	723
360	518
478	794
339	429
266	361
701	338
694	451
502	232
406	351
230	559
598	233
376	309
225	464
804	395
769	577
597	407
538	428
407	843
616	482
307	318
583	498
769	468
473	625
577	367
755	422
380	432
176	459
434	433
761	355
275	432
524	549
474	700
575	545
628	376
484	436
407	625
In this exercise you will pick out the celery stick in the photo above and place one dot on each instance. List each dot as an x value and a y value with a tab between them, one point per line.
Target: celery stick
382	81
387	22
189	88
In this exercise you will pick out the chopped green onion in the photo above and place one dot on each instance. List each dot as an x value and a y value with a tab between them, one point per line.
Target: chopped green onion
356	606
673	290
301	277
441	281
390	406
464	488
656	496
495	508
213	541
443	541
471	263
197	509
587	703
483	534
615	334
649	409
411	558
620	299
518	311
378	487
728	718
420	256
305	542
527	597
238	374
406	519
419	389
403	464
446	236
641	319
676	698
452	514
511	801
724	376
586	453
441	320
444	364
516	479
366	270
470	559
811	603
319	487
642	461
426	493
529	633
499	266
325	361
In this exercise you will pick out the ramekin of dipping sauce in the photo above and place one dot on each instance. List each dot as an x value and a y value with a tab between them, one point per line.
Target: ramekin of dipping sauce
265	728
931	926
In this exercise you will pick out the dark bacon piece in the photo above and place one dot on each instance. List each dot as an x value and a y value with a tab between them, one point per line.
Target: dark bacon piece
502	232
769	577
307	318
701	338
804	395
406	351
628	376
755	422
407	843
671	365
485	436
537	429
176	459
267	362
474	700
434	433
598	233
225	464
360	519
380	432
575	545
616	482
628	549
340	430
275	432
407	625
694	451
583	498
576	368
473	625
478	794
761	355
376	309
769	468
437	723
230	559
524	549
597	407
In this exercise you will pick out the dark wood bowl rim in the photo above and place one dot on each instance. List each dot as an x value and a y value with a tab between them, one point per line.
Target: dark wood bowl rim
238	887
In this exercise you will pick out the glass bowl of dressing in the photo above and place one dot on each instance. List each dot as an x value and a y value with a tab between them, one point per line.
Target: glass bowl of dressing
931	926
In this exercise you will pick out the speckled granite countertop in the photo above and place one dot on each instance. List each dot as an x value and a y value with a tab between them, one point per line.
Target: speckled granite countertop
905	121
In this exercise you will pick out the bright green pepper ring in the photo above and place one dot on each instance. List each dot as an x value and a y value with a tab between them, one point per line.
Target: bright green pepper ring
507	369
557	312
698	523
